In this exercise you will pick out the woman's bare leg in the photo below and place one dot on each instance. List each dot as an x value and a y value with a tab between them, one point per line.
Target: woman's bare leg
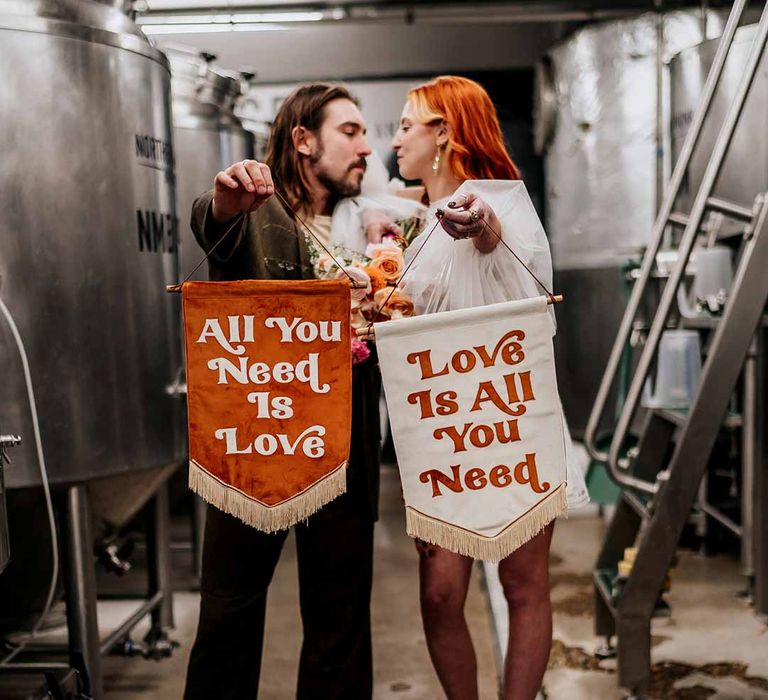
524	576
444	581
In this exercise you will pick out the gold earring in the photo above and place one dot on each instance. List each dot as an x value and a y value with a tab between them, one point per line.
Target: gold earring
436	162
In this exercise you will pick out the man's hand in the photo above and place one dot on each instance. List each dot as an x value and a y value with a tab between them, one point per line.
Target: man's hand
242	187
378	225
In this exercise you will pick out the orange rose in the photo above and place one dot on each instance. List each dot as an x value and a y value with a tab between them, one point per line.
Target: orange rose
378	281
398	305
390	263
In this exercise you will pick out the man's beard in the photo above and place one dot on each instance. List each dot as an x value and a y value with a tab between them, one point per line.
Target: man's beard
346	186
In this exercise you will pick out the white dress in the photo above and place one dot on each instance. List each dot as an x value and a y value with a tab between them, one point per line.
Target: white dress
447	274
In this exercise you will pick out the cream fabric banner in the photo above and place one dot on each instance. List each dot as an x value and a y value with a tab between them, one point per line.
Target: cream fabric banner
477	424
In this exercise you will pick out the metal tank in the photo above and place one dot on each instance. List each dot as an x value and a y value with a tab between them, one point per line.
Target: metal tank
237	142
745	170
88	241
207	137
598	124
250	112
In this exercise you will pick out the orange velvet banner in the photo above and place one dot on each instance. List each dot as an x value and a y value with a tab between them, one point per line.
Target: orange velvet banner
269	382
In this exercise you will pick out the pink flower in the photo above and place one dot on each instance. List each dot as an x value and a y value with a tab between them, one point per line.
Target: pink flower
360	351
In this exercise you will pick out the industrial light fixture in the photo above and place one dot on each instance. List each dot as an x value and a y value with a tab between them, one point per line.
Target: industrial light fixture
233	18
151	29
183	23
155	5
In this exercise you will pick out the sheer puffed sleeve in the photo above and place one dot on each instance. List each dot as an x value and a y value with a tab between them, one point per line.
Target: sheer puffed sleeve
448	274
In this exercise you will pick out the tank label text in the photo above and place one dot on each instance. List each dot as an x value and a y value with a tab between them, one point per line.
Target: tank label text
153	152
157	232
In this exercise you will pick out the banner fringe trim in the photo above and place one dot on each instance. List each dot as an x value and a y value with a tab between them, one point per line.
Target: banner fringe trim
263	517
491	549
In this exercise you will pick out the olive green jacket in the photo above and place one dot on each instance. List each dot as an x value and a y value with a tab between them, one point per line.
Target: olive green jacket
269	245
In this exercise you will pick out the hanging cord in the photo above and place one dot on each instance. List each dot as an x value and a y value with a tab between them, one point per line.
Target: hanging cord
239	220
46	488
551	295
552	298
369	329
317	240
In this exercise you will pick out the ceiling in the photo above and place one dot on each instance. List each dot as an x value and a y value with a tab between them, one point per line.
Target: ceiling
293	40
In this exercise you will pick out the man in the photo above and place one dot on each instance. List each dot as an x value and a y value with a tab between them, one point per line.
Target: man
316	156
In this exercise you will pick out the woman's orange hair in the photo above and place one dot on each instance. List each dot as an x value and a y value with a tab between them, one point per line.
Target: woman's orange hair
475	149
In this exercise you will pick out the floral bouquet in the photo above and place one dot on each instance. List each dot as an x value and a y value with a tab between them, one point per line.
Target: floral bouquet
377	296
410	227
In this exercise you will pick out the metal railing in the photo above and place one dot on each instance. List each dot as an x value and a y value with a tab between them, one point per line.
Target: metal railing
665	216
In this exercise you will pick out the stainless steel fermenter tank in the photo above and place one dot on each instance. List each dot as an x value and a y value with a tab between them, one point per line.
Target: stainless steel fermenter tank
237	141
207	137
88	241
745	170
597	123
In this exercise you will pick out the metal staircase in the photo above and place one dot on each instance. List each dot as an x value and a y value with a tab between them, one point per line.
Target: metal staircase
661	476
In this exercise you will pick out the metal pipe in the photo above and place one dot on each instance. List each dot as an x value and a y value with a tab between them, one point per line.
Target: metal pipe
760	494
660	225
660	121
669	294
130	623
80	577
704	19
723	519
748	461
159	558
35	667
734	211
555	11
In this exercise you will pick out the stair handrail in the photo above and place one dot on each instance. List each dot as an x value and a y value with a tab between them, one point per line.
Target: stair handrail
657	236
669	294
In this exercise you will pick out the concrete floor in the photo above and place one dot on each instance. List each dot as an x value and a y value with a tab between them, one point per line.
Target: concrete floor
712	646
402	669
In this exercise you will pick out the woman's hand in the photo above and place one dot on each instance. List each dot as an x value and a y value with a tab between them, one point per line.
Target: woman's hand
470	217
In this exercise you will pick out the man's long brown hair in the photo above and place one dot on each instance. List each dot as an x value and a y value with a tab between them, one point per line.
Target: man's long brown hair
305	106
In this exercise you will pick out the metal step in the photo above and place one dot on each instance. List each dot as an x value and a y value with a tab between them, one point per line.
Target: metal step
679	417
705	322
723	206
604	587
641	503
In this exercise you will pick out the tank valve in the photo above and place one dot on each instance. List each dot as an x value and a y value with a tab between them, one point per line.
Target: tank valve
114	555
7	441
129	648
158	645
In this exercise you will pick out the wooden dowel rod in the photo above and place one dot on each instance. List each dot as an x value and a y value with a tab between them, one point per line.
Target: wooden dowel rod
367	332
176	288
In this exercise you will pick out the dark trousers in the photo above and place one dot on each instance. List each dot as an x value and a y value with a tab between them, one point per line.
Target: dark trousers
335	558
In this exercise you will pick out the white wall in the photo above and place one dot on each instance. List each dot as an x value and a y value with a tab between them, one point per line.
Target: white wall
381	104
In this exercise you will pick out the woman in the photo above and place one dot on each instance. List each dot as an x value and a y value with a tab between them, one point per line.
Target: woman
449	139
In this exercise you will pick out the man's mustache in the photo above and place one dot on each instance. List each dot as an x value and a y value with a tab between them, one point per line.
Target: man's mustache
362	163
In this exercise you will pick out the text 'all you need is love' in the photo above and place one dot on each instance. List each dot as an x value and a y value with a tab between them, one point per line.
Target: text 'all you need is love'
238	368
